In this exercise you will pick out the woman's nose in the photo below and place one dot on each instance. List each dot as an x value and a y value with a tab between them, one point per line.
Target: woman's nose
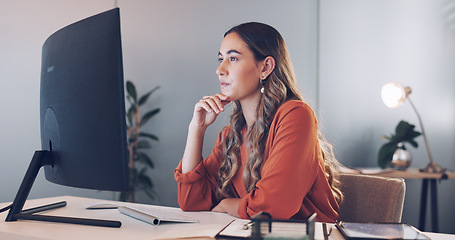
221	70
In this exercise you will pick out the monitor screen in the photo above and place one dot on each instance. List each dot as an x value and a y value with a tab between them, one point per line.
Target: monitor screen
82	104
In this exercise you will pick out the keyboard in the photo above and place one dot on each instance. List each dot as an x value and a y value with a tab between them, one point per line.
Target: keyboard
154	215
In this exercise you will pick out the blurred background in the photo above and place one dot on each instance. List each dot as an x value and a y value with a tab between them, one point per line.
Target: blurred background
343	52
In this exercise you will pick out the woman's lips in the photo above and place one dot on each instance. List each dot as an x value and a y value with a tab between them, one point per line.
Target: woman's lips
223	84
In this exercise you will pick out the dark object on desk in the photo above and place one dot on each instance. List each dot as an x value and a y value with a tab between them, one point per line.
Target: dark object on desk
6	208
263	217
379	231
82	113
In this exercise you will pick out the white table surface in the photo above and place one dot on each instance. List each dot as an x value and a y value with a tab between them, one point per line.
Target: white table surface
210	224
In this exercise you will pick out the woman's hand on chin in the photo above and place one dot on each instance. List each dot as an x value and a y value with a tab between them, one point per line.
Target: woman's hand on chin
207	109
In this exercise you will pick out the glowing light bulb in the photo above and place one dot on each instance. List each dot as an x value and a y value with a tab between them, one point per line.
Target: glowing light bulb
393	95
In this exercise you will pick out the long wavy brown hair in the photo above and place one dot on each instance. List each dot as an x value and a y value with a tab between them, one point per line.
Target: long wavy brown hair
279	87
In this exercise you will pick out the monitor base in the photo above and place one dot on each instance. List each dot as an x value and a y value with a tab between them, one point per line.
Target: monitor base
40	159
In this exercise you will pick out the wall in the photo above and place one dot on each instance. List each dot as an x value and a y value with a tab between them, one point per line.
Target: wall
174	44
364	44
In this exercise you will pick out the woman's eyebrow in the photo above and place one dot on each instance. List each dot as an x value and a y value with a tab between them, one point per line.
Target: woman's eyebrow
229	52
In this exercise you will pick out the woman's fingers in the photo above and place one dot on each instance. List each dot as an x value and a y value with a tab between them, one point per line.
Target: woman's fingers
214	103
224	100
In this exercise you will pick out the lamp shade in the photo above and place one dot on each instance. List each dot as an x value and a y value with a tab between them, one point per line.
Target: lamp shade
393	94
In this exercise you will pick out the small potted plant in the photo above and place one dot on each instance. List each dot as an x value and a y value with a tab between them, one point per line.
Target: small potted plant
138	143
393	153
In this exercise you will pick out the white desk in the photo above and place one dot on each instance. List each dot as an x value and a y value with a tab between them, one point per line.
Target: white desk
210	223
130	229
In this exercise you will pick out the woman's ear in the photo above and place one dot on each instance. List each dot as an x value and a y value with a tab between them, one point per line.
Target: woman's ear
269	65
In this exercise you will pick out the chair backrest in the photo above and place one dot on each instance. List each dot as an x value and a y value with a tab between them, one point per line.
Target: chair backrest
371	198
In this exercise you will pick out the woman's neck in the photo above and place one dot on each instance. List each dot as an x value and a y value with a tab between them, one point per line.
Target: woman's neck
249	111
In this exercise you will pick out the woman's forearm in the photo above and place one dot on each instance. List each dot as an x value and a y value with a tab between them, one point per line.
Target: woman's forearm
228	205
193	149
205	112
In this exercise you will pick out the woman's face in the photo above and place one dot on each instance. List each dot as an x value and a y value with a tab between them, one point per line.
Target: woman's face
239	73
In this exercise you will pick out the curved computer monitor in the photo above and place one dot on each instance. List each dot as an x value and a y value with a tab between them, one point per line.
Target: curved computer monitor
82	105
82	115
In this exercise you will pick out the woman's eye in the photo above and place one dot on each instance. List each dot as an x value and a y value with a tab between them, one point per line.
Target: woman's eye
232	59
220	60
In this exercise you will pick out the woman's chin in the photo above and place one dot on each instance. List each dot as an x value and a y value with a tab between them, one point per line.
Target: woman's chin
226	92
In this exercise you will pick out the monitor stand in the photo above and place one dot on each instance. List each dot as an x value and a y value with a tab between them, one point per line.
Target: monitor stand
40	159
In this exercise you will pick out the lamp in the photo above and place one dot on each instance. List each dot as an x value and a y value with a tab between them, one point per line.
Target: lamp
393	95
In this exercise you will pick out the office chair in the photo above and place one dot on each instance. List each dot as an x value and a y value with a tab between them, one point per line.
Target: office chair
371	198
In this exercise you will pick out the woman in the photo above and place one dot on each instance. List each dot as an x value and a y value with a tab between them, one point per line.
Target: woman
270	158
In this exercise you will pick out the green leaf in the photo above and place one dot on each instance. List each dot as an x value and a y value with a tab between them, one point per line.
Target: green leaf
131	90
401	129
149	136
413	143
413	134
146	160
385	154
130	99
143	144
132	139
145	97
130	114
148	115
405	132
142	172
145	181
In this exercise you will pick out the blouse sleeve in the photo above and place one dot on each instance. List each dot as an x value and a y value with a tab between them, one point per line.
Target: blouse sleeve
197	188
291	167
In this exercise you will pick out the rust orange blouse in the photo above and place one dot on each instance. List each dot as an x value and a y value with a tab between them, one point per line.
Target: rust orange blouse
293	182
